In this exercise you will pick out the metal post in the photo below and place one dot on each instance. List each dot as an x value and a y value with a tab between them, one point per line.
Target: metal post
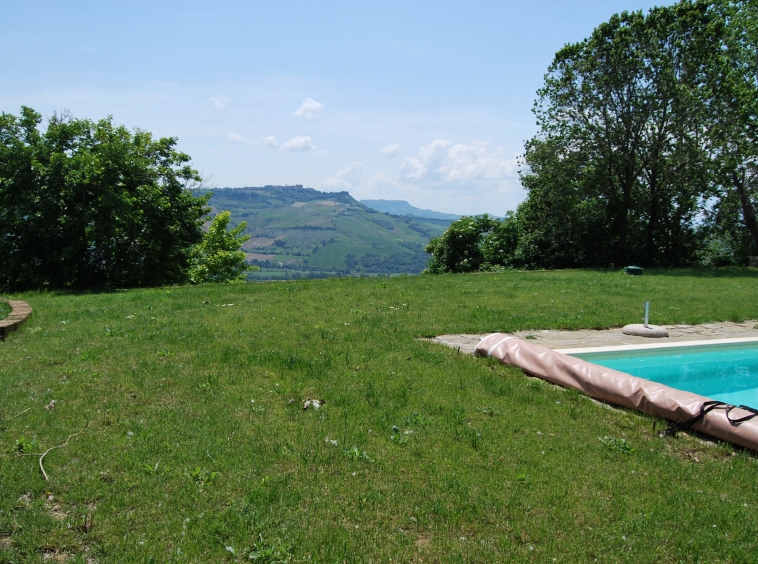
647	312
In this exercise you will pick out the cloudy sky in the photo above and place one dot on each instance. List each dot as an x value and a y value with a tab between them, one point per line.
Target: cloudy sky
423	101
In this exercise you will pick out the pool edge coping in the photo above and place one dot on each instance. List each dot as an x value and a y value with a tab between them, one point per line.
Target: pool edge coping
654	346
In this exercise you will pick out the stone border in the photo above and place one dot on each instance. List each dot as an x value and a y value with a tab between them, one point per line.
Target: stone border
589	338
20	312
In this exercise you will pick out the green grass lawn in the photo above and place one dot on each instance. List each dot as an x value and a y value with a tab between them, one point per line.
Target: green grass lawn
195	446
5	309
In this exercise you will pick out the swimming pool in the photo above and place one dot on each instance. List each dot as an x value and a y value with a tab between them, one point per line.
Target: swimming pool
724	370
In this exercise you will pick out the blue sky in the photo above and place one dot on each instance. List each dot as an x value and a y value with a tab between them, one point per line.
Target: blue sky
428	102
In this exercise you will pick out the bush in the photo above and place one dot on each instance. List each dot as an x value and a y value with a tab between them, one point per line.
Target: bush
218	257
88	204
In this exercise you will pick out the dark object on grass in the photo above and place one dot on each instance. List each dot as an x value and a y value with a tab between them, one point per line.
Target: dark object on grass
316	404
633	270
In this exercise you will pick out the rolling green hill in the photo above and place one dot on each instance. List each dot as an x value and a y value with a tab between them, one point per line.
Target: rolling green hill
300	232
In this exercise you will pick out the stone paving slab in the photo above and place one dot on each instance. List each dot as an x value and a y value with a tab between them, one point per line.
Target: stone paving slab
20	312
585	338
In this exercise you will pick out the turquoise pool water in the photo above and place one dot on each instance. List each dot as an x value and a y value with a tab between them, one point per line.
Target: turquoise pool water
727	373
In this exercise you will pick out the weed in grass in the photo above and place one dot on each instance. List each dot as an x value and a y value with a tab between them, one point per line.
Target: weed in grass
397	437
489	411
209	385
269	553
474	438
156	469
459	414
617	445
355	453
417	420
200	476
26	446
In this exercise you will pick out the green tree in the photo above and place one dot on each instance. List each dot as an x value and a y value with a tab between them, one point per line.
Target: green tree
564	221
647	151
218	257
731	94
621	153
88	204
460	248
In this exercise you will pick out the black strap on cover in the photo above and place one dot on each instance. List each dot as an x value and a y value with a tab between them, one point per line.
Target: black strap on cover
706	407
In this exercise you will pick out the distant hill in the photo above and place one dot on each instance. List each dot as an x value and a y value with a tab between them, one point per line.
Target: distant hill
401	207
299	232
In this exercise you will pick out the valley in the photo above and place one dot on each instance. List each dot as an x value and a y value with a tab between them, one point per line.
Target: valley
299	232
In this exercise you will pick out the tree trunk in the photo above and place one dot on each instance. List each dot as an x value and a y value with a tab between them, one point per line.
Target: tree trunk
748	212
652	223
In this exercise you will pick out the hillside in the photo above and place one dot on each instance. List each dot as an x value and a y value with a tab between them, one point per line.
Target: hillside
401	207
300	232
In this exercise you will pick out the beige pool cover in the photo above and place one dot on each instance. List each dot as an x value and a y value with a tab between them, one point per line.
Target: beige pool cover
721	421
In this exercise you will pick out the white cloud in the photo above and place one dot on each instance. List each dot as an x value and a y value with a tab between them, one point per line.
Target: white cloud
347	178
443	162
220	101
237	137
299	143
309	108
270	141
391	150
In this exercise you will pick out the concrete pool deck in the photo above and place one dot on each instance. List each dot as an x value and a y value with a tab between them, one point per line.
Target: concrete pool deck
586	338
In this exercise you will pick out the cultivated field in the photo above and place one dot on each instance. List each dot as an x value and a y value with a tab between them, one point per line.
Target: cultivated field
320	234
193	444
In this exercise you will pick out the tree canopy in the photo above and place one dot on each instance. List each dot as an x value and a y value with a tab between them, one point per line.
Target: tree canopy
218	257
88	204
647	151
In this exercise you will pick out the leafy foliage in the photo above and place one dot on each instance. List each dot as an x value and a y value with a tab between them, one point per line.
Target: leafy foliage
88	204
647	151
5	309
218	257
731	100
459	248
385	264
619	168
615	444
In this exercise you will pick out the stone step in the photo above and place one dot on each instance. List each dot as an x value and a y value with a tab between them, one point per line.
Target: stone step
20	312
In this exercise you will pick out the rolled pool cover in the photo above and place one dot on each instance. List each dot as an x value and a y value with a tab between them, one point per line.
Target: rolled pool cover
684	409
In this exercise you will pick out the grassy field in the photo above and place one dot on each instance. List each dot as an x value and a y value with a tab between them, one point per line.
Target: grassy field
193	444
